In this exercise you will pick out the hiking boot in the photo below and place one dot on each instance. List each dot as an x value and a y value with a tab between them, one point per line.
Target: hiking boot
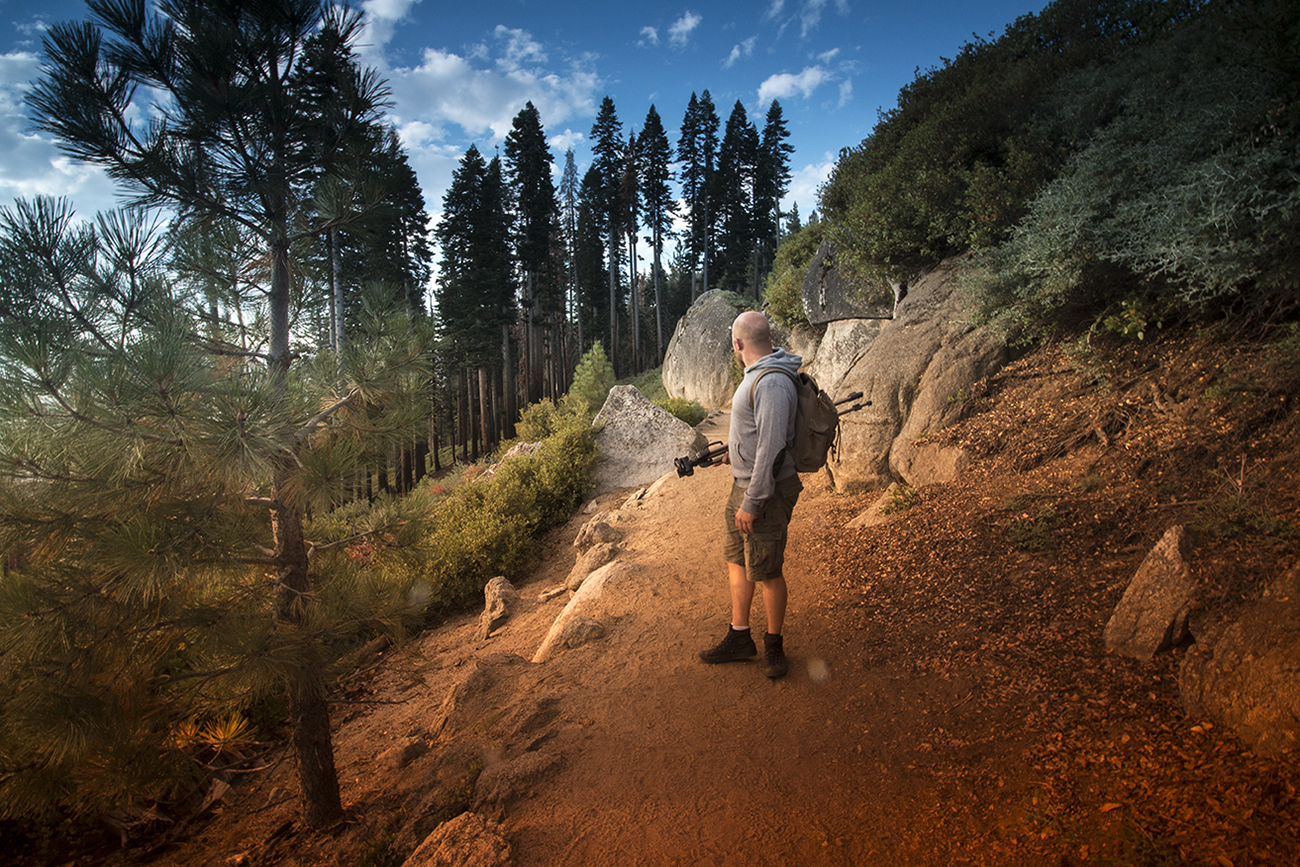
738	645
774	649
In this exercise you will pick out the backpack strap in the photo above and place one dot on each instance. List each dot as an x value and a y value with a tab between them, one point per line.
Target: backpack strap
764	372
753	386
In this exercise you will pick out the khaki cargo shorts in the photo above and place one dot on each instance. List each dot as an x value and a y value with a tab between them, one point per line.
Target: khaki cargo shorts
762	553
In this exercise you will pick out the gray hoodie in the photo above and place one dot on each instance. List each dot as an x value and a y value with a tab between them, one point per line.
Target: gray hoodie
758	433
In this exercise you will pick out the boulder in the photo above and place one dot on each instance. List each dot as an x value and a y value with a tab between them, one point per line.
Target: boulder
597	531
589	562
500	597
638	441
1152	615
915	369
612	591
1243	673
469	840
829	295
697	364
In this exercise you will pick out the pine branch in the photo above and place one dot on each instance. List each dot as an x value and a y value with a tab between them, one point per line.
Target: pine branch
316	420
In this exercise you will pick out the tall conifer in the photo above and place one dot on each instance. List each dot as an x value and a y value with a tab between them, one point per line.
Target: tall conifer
734	198
609	149
659	206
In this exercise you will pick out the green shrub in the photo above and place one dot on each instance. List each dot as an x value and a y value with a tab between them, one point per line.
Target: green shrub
592	380
784	292
488	526
902	498
1033	533
688	411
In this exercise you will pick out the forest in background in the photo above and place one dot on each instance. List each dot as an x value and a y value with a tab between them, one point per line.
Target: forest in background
226	429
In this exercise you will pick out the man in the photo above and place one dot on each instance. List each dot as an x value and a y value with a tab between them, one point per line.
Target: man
764	491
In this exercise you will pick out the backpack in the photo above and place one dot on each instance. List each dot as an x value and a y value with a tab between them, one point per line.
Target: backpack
816	423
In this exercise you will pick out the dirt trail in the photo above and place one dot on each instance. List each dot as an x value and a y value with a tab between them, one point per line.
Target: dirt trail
950	700
647	756
659	759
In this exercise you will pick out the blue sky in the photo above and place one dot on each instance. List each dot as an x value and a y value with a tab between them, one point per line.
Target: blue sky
460	72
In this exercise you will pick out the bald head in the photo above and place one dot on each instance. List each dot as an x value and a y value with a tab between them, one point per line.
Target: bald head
752	327
751	337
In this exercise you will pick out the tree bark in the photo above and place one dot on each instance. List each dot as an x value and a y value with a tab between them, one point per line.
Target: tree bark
308	705
308	708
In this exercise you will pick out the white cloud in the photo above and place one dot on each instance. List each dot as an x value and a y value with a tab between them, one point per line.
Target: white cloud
744	49
450	89
649	36
33	165
846	92
680	31
810	15
774	9
520	48
561	142
382	18
804	184
828	56
784	85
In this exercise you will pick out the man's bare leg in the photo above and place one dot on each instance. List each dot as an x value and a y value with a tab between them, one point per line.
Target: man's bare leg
742	595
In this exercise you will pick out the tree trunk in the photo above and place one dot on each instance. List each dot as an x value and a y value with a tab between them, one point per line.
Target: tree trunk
462	415
485	410
507	382
612	350
308	708
336	285
659	306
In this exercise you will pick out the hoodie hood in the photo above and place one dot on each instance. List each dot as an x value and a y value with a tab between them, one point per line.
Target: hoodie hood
778	358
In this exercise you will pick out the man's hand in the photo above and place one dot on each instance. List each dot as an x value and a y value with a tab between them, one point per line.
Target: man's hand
745	521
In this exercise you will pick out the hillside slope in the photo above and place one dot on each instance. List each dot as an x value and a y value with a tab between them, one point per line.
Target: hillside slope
950	699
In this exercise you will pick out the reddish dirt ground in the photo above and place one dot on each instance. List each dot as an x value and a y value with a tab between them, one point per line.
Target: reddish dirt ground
950	699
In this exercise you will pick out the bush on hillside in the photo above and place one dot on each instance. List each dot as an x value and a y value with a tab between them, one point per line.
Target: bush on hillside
1133	151
784	291
488	526
688	411
592	380
1180	197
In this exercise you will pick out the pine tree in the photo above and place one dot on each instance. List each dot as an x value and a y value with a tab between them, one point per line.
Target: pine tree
533	206
141	454
772	179
589	252
629	201
697	151
232	137
475	295
569	208
609	150
734	197
659	206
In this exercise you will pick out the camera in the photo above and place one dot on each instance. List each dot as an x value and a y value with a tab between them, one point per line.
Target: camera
686	465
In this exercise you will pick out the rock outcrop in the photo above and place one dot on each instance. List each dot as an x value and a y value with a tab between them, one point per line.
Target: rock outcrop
499	597
638	440
609	592
1152	615
1243	673
829	296
469	840
697	364
916	371
916	368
